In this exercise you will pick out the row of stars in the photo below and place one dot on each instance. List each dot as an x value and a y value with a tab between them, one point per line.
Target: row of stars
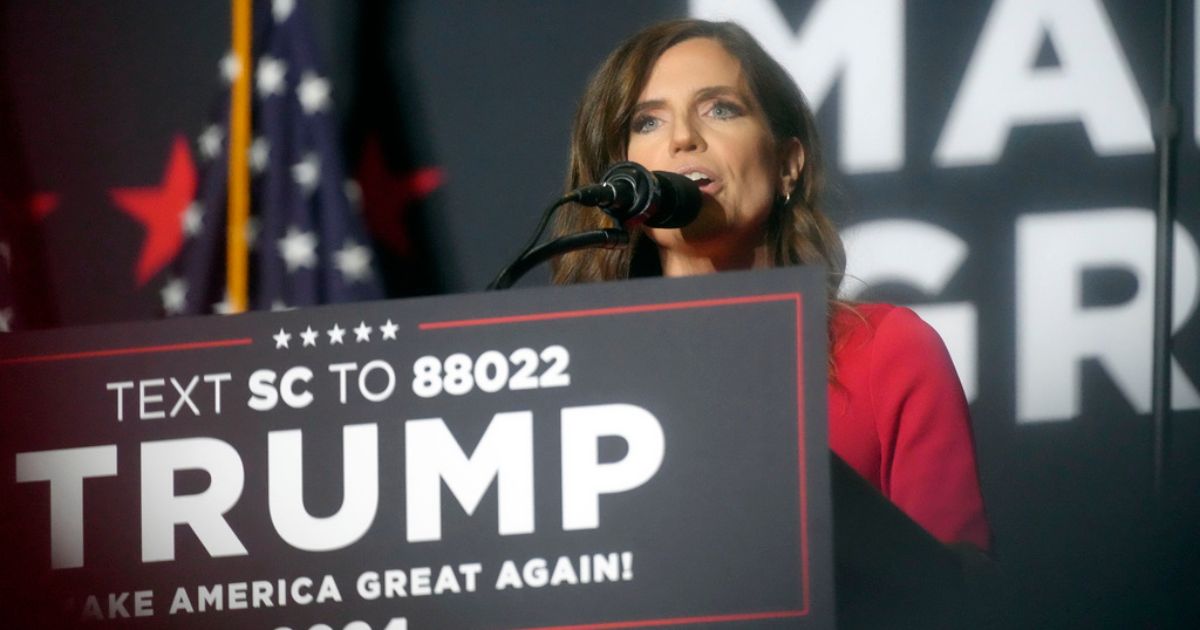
337	334
298	247
174	296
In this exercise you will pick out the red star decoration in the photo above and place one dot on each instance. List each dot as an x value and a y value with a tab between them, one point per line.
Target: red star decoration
37	206
160	209
42	204
387	197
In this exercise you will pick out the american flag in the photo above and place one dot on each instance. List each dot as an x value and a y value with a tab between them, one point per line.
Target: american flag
307	240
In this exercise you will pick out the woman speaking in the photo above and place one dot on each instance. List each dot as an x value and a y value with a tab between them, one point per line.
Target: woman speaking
703	99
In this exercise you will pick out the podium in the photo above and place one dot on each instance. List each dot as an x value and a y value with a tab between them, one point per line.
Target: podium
632	454
888	571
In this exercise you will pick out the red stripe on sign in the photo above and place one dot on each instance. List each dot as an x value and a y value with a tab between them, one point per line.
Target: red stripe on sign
614	310
801	452
677	621
116	352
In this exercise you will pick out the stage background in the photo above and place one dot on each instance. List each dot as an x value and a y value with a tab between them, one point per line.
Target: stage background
990	162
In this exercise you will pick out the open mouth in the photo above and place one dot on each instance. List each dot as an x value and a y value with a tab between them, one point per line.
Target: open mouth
702	179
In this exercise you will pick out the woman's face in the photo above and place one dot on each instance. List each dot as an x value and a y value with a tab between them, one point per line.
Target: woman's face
697	116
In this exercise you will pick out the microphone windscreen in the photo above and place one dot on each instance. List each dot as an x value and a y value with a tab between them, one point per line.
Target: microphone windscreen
679	201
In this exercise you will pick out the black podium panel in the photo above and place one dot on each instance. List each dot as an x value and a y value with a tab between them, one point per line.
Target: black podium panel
623	455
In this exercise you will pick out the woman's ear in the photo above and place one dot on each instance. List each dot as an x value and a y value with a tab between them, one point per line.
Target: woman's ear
791	156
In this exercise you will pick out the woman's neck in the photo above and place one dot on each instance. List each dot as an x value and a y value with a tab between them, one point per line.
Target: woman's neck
676	263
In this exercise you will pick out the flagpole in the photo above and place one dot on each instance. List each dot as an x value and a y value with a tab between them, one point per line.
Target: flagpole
1164	246
237	256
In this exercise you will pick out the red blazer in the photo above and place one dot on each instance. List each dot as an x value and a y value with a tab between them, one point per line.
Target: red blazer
898	416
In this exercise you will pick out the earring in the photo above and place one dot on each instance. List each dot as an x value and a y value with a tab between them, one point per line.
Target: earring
787	198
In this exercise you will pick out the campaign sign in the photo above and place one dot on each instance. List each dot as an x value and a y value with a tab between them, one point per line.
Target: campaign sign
624	455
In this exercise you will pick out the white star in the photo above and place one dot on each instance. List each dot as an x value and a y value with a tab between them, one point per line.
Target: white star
278	305
309	336
271	73
307	173
231	67
353	194
354	261
224	307
299	249
210	141
251	233
193	219
335	334
281	9
313	92
174	296
6	316
389	330
260	154
281	339
6	254
362	332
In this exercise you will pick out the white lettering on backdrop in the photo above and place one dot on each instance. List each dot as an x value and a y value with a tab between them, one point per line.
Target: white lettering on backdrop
1056	333
1003	88
859	42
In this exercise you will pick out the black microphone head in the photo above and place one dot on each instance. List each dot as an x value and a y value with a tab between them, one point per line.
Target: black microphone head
633	191
678	203
659	199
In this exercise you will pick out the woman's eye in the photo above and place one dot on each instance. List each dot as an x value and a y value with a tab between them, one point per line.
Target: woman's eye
645	124
723	110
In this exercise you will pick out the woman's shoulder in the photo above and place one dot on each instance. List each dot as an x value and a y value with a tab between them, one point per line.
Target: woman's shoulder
868	321
880	332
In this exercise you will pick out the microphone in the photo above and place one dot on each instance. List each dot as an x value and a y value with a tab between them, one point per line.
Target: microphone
631	194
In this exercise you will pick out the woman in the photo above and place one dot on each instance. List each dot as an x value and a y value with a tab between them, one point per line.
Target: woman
705	100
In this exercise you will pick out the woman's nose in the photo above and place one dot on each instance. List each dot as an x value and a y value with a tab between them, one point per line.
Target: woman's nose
686	137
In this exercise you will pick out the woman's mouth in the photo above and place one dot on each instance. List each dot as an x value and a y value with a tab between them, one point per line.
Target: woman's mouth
704	180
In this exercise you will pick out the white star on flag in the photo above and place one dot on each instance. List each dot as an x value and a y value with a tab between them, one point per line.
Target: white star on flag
271	73
389	330
354	261
362	332
224	307
353	194
307	173
193	219
174	296
299	249
309	336
281	10
251	232
281	339
313	93
210	141
231	67
6	315
260	154
335	334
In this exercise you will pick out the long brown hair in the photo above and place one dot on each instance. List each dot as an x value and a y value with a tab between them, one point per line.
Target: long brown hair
797	231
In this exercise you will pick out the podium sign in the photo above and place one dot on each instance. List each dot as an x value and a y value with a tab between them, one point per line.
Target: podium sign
624	455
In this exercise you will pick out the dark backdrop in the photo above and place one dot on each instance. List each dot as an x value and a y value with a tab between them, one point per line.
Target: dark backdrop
1032	260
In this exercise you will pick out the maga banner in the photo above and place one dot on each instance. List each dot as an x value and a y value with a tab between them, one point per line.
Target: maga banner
639	453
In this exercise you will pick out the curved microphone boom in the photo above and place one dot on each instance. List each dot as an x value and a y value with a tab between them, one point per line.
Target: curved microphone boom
629	193
633	195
